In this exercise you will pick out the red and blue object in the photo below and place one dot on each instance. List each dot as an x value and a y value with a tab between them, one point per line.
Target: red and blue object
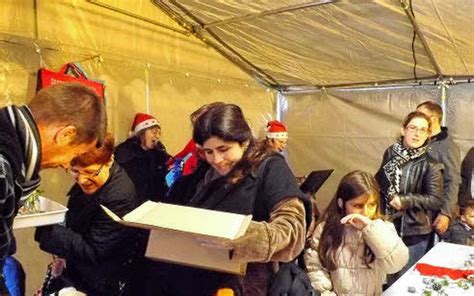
176	170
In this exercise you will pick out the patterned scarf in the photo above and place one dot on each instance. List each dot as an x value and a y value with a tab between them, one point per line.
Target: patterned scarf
393	169
27	133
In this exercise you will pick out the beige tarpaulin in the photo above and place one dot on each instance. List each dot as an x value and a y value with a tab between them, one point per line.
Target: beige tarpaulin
168	66
298	43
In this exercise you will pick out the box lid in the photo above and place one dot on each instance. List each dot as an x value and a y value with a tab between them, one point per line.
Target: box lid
156	215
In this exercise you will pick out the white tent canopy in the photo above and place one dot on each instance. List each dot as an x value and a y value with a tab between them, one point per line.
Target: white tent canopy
305	44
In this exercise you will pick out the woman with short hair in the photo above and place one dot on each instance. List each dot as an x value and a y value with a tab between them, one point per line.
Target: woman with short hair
98	251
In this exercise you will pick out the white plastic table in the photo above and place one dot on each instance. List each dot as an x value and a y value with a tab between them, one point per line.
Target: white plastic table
442	254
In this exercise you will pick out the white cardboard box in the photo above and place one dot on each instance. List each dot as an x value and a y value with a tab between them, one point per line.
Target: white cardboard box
177	233
51	213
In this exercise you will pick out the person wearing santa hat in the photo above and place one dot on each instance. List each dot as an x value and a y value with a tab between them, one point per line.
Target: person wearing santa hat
144	157
277	135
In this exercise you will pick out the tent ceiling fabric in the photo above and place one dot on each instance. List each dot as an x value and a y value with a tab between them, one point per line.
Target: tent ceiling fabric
305	44
449	30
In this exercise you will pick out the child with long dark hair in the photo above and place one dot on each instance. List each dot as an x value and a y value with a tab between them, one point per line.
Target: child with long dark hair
353	248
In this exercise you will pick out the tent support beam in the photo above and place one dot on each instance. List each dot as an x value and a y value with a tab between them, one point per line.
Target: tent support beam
35	8
359	84
425	81
138	17
267	13
416	27
443	103
279	97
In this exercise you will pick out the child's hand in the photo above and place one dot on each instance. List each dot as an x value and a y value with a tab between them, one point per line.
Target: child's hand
357	220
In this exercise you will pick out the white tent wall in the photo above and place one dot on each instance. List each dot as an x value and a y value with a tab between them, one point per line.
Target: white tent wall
182	74
348	130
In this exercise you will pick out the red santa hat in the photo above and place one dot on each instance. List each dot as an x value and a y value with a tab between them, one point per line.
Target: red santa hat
143	121
276	130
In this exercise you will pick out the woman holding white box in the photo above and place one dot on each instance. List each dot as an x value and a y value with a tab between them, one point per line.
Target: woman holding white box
239	175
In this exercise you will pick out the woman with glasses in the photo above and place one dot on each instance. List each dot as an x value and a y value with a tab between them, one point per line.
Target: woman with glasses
98	252
411	186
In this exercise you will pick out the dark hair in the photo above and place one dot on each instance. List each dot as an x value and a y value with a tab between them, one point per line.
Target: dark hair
352	185
465	206
434	108
100	155
227	122
72	104
195	115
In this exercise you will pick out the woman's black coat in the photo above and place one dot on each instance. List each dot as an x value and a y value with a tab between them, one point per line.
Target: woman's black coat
97	250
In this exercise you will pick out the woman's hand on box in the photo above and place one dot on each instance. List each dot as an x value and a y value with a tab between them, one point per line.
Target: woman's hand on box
211	243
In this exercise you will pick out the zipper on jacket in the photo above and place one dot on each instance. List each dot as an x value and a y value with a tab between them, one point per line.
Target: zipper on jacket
410	164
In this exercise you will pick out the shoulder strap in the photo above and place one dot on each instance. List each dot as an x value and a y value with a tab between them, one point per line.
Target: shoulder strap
259	176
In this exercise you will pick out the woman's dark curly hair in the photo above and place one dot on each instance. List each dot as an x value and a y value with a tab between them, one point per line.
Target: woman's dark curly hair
227	122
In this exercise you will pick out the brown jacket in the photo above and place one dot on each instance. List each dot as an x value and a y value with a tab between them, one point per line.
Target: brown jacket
282	238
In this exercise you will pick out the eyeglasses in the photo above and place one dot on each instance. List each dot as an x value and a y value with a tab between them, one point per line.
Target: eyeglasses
88	174
155	131
414	129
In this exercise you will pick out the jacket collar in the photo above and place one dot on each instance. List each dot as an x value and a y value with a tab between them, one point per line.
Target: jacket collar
442	135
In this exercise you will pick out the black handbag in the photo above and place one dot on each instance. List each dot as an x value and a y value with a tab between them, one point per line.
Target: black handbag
291	280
